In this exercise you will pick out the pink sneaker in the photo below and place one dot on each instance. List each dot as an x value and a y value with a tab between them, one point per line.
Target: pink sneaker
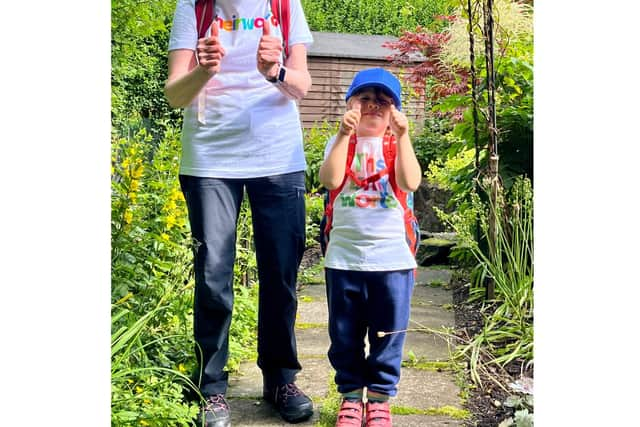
350	414
378	414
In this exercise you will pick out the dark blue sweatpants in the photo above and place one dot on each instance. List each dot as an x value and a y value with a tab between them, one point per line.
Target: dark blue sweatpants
278	215
361	303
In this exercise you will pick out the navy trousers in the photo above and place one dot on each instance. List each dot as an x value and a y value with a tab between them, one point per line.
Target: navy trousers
278	215
363	303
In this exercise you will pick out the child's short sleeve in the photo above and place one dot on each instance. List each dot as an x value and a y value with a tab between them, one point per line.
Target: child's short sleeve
327	147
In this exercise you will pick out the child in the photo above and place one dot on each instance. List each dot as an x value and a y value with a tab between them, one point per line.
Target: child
369	266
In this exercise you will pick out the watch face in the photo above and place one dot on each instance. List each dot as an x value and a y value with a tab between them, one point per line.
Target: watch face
282	73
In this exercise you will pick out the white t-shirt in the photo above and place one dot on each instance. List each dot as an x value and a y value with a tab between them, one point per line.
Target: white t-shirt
368	232
246	127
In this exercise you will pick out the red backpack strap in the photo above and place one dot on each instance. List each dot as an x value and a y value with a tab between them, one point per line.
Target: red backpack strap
204	15
389	151
281	10
333	194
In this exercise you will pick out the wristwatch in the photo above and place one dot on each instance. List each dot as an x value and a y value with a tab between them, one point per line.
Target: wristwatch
279	77
282	73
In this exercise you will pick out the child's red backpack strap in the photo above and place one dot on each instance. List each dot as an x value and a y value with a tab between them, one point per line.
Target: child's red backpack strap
333	194
410	222
205	10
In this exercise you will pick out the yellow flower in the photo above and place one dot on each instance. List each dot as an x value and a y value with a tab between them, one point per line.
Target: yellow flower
137	173
139	389
144	423
164	236
135	184
171	205
181	368
128	217
133	197
171	221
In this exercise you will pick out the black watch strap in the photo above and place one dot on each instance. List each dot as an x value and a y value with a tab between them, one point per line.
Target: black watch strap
282	73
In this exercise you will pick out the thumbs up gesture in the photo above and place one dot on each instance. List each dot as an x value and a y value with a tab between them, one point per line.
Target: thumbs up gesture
398	122
269	52
351	118
209	51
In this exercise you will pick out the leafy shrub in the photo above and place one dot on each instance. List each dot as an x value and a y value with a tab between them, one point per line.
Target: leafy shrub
152	285
315	140
388	17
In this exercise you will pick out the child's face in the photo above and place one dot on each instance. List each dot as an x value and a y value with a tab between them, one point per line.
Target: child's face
375	110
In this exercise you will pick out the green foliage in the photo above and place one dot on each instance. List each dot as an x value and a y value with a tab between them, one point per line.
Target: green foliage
143	393
315	210
139	40
152	285
315	140
388	17
434	141
507	333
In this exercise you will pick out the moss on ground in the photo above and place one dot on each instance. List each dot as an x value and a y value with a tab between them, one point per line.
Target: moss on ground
447	411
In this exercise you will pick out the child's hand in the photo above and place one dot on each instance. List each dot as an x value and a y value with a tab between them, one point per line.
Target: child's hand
351	119
210	51
398	122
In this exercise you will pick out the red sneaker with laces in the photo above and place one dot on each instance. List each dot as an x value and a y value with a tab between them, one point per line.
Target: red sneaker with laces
378	414
350	413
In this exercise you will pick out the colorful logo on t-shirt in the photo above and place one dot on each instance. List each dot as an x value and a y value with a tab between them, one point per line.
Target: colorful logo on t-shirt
377	194
236	24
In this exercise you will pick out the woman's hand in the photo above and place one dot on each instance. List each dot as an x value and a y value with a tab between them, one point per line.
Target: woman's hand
209	51
269	52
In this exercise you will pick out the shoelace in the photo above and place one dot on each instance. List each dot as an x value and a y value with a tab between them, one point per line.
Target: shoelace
286	391
216	403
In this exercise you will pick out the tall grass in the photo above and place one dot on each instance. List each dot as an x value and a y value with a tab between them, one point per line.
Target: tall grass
507	333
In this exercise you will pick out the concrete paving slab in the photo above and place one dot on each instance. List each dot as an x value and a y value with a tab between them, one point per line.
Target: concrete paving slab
425	389
316	291
313	341
428	275
424	421
426	346
257	412
431	317
247	384
313	312
313	379
426	294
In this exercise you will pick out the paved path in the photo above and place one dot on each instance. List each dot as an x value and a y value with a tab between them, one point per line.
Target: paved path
428	395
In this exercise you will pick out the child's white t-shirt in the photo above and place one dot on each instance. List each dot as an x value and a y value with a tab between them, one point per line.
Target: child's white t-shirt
368	231
241	125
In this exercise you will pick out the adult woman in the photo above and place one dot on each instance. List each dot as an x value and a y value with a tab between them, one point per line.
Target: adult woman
242	131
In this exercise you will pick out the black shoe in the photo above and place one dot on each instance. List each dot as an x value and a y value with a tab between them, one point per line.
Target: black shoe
292	404
214	412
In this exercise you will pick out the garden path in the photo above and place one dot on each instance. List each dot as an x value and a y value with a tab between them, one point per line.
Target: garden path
428	394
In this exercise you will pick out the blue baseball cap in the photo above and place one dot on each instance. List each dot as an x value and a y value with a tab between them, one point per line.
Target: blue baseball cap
377	78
